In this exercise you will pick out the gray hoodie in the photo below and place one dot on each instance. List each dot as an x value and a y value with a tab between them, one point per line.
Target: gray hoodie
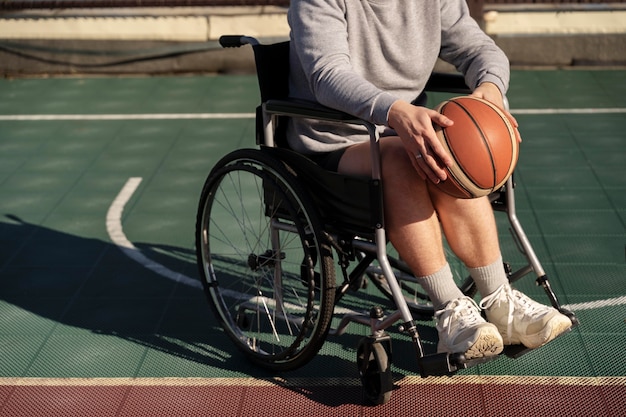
360	56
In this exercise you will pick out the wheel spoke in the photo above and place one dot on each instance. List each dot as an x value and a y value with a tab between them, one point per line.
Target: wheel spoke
256	228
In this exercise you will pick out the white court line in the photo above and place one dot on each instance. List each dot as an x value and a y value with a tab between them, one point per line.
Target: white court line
568	111
114	229
117	236
106	117
201	116
590	305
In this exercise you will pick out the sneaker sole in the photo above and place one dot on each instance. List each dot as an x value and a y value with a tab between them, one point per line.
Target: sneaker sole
553	329
488	343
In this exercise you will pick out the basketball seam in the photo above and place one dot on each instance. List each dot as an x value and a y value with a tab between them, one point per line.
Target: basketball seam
514	148
485	142
458	173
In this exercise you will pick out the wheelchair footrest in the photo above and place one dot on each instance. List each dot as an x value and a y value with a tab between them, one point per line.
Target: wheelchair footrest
441	364
516	351
447	364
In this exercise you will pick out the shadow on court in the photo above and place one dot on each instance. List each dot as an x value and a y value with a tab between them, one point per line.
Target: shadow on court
83	283
66	284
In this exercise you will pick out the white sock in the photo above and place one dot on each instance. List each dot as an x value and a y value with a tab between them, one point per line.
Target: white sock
489	278
440	287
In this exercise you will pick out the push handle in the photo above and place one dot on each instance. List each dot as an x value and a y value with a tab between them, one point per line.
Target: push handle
235	41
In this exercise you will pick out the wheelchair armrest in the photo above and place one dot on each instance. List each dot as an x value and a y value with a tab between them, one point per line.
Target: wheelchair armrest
308	109
313	110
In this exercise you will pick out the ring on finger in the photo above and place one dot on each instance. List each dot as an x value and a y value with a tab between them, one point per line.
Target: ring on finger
418	156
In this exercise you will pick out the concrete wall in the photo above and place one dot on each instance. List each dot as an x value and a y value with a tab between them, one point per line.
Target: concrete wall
559	37
184	39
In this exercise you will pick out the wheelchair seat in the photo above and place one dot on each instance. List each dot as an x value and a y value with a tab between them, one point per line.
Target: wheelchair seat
346	203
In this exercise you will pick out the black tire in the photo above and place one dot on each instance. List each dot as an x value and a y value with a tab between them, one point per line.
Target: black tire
274	299
374	364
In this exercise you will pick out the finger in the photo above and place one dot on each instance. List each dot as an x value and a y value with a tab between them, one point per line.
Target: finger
440	156
440	119
415	159
428	167
512	119
438	151
433	147
515	124
435	172
423	168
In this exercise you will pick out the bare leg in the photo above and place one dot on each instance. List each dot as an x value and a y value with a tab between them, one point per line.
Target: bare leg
410	219
414	210
469	226
414	229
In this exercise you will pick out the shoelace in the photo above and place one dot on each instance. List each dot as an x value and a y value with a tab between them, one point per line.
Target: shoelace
502	294
506	294
464	308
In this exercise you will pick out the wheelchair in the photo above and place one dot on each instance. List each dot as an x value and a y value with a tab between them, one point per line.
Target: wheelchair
271	225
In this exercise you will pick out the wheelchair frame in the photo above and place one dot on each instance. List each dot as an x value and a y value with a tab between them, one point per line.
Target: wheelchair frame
292	190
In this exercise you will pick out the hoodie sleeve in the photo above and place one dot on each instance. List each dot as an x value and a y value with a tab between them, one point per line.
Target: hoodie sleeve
319	36
469	49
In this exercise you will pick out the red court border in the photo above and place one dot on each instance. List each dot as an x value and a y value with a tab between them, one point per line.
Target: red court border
465	396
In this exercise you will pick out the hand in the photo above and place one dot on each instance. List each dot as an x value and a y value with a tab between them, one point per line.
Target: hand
414	125
490	92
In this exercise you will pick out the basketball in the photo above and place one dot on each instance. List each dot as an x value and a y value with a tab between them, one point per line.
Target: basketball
483	144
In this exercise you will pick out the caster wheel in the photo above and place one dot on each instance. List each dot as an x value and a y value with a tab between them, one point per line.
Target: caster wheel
374	365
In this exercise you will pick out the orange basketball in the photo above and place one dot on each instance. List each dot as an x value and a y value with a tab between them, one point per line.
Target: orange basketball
483	143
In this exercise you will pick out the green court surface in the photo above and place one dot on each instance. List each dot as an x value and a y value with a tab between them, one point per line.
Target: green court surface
73	304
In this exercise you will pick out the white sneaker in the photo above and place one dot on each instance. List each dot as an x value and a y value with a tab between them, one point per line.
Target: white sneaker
463	330
522	320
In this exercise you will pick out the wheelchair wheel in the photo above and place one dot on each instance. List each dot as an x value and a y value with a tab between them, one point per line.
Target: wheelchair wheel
265	270
417	300
374	364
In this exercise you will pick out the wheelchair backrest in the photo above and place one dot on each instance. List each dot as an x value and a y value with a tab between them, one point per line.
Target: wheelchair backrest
353	203
272	66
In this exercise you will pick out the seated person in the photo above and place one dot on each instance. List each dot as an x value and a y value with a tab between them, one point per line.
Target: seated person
372	59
